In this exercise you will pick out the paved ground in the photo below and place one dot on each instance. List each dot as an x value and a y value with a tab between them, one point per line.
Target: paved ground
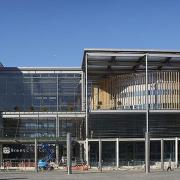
92	175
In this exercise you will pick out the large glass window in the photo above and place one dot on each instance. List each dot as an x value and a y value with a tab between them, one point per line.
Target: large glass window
40	92
29	128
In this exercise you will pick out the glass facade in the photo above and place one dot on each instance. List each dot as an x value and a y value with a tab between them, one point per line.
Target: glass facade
29	128
25	152
57	96
75	126
40	91
42	128
130	153
133	125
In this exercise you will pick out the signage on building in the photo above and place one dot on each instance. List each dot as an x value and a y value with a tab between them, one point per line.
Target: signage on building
6	150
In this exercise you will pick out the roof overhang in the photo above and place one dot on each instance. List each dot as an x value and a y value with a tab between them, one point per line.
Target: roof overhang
115	61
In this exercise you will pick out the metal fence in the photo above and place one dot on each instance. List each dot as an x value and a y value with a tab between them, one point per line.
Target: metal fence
15	164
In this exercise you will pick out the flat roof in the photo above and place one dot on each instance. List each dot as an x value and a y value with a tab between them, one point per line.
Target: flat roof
130	50
39	69
119	61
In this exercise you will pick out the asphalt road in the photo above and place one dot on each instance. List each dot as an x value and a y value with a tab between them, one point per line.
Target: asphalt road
92	175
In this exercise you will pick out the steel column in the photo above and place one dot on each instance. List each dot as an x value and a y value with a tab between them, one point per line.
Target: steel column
147	140
81	152
87	151
86	93
84	144
176	152
57	94
69	163
162	154
100	155
36	155
82	91
57	125
117	152
147	148
86	97
57	154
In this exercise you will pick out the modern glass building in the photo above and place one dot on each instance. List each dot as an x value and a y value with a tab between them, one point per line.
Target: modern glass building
40	89
130	93
108	104
41	103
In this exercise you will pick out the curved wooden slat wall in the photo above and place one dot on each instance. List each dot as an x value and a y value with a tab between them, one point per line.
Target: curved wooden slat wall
128	91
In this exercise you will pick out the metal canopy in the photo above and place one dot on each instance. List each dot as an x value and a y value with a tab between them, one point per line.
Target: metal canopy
103	62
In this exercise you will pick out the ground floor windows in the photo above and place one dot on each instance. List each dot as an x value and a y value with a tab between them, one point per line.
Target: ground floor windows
130	153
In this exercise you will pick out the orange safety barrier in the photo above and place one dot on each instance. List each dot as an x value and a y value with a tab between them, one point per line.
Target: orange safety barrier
26	164
80	167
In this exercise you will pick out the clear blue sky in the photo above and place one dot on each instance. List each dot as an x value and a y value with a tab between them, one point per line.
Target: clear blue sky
55	32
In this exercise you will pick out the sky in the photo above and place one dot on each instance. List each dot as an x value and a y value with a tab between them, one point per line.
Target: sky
55	32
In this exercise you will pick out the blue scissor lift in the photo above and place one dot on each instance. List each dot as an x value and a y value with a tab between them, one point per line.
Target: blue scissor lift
44	163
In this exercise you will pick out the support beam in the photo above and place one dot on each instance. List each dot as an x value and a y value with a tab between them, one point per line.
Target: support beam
86	93
82	92
36	155
162	154
87	151
69	163
176	152
100	155
57	154
57	135
57	125
140	61
117	153
57	94
84	144
147	152
81	152
147	141
167	60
